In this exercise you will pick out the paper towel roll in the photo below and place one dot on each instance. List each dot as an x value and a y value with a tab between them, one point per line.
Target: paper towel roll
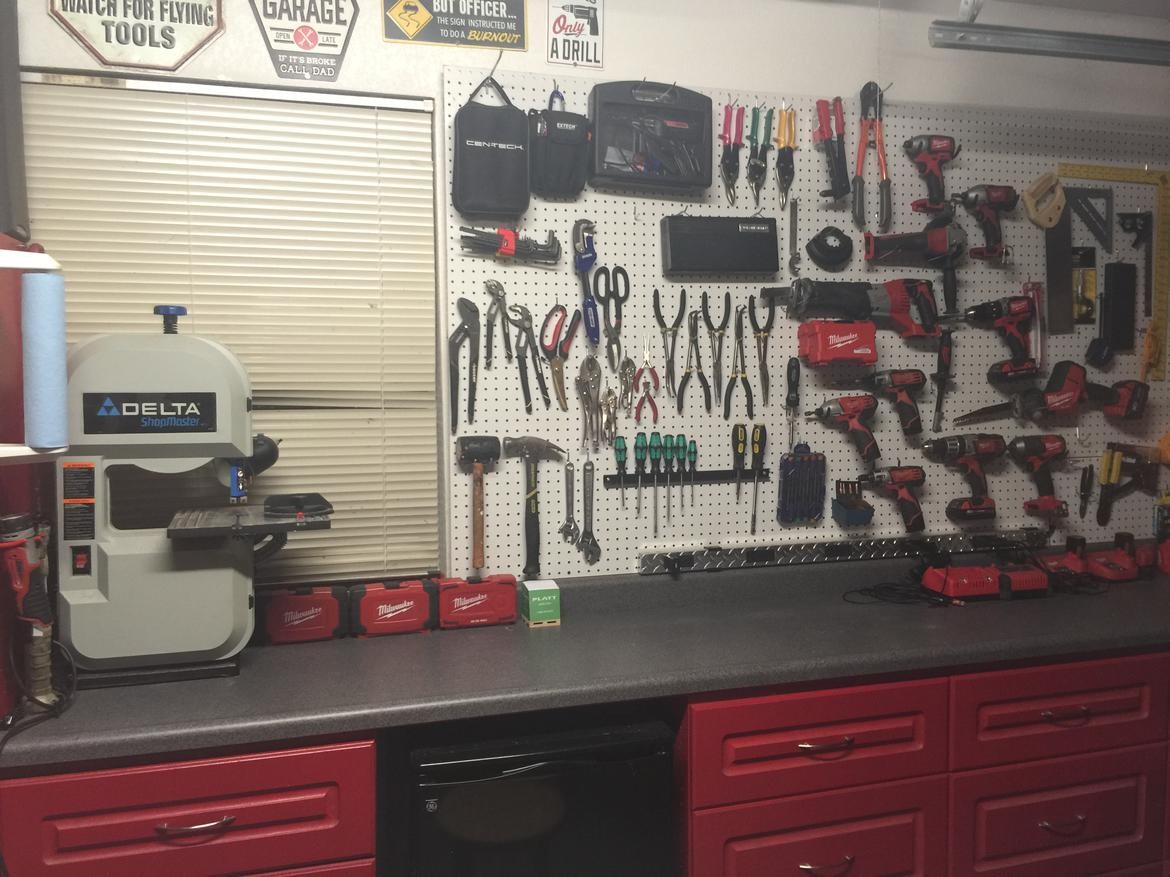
42	332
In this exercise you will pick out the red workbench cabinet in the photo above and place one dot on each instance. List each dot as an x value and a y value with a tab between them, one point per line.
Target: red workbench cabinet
241	814
1007	716
1081	814
770	746
362	868
892	828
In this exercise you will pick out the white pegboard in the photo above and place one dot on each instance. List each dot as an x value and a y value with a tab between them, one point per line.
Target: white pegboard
998	147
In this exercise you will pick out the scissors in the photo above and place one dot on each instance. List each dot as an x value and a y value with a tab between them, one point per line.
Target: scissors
612	286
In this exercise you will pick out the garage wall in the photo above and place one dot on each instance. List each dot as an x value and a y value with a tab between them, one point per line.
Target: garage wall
813	47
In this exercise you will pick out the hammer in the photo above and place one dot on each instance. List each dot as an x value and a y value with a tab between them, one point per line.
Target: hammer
533	450
478	452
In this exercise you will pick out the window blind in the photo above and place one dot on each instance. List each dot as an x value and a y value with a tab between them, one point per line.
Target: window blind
299	235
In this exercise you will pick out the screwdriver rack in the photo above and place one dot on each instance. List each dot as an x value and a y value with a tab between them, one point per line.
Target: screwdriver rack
710	476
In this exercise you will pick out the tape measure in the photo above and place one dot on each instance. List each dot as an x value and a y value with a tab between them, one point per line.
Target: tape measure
1160	241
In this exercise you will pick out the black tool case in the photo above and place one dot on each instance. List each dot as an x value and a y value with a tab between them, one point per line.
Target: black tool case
650	134
719	245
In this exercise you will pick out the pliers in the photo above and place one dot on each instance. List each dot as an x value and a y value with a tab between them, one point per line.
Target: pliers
556	347
694	364
762	340
644	376
612	287
466	331
785	145
717	334
584	258
525	342
757	166
738	369
729	163
669	336
498	306
872	134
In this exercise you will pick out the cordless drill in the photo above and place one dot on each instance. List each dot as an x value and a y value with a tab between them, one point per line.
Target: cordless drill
1037	454
900	386
930	152
942	245
988	204
900	482
584	13
855	413
24	560
968	453
1012	318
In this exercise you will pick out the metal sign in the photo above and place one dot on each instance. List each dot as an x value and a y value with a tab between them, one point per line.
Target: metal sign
146	34
484	24
575	33
306	39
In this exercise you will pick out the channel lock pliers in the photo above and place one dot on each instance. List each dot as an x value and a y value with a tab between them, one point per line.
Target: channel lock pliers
785	145
872	135
670	336
694	364
555	347
757	166
612	288
738	369
717	334
498	306
732	144
525	343
762	340
646	376
467	330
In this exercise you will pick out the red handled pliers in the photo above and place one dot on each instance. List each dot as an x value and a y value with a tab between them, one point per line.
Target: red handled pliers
646	376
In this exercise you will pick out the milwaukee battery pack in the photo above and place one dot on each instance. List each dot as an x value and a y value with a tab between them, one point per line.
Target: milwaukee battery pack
301	615
821	342
975	582
381	609
475	604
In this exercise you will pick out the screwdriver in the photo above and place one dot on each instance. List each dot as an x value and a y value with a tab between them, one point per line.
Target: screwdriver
655	456
639	467
680	454
619	453
792	400
759	443
668	465
738	449
692	459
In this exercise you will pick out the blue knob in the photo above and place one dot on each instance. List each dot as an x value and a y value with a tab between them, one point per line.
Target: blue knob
170	311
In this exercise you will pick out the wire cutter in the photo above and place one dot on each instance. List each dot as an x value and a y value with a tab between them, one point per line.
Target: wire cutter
612	287
716	335
525	342
872	135
670	336
646	376
757	166
729	163
738	369
762	340
498	306
785	145
694	364
555	347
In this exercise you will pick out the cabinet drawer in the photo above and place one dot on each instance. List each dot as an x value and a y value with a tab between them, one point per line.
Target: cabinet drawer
1086	814
1154	870
1022	715
247	813
889	829
790	744
360	868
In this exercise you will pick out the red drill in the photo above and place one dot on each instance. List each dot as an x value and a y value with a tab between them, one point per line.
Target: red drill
900	482
855	413
900	386
988	204
968	452
23	555
1036	454
1012	318
930	152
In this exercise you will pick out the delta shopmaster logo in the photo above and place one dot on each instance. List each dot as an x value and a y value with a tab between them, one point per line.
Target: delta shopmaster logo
147	413
306	39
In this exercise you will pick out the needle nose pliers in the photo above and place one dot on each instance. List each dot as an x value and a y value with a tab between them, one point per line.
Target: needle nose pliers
762	340
738	369
670	336
717	333
694	364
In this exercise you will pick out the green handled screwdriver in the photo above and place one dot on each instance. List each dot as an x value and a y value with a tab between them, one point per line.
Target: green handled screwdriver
680	454
619	453
639	467
655	457
668	465
759	444
738	451
692	459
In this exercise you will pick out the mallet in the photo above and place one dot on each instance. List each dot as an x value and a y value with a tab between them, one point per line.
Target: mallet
479	452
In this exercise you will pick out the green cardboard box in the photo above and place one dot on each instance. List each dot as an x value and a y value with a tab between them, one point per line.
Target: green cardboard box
540	603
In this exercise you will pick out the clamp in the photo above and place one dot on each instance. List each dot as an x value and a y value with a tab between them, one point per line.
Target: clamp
738	369
498	306
716	334
694	364
669	336
872	134
762	339
646	376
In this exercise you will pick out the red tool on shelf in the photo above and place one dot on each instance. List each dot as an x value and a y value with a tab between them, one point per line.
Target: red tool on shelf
1116	564
821	342
988	581
23	559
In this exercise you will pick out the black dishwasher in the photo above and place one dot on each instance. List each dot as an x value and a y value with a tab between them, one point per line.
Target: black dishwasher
576	804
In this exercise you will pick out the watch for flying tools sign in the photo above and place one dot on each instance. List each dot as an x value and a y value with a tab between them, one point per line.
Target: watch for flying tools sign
484	24
150	34
306	39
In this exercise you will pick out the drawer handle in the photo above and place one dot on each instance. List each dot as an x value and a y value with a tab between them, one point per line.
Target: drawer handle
1076	714
187	830
846	863
1065	829
817	748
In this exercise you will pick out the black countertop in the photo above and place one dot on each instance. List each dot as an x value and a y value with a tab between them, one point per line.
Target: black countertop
622	640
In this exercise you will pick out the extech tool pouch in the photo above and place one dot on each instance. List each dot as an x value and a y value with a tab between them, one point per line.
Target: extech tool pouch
490	175
559	144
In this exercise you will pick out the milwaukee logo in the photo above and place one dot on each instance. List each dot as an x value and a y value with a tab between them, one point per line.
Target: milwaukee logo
753	227
389	610
843	340
461	603
292	618
1061	401
490	144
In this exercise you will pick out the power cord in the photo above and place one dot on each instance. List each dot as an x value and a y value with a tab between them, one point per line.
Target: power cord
19	720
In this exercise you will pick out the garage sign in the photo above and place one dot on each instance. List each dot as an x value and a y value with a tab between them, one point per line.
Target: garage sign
147	34
306	39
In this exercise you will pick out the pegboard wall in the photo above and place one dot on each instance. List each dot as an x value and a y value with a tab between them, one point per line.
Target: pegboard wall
1011	148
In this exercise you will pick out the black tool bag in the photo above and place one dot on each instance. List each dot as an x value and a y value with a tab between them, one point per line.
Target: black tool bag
490	175
559	144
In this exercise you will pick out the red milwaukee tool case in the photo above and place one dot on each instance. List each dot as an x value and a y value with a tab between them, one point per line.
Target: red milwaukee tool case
300	615
379	609
471	604
824	341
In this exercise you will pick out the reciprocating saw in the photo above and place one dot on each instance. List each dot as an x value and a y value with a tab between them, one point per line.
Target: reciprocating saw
906	306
